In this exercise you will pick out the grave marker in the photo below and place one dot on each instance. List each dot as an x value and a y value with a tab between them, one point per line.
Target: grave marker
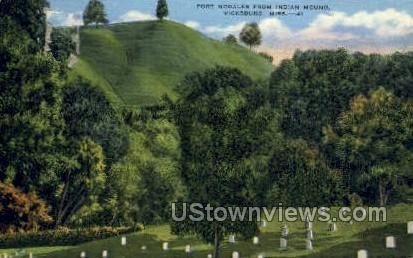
410	227
333	227
390	242
209	256
362	254
255	240
260	256
143	248
30	255
231	239
123	241
235	255
82	255
165	246
310	235
104	254
188	249
283	244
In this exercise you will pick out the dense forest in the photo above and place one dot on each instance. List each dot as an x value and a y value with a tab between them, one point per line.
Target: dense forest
329	127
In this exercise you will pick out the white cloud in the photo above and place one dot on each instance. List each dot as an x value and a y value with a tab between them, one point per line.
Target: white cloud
193	24
223	31
72	19
136	15
386	23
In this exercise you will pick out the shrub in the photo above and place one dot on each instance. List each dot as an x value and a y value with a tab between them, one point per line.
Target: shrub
62	236
20	211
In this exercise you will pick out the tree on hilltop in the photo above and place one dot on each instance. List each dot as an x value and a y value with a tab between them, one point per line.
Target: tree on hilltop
95	13
251	35
162	9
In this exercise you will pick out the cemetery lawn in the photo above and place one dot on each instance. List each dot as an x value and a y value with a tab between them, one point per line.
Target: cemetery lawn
343	243
137	63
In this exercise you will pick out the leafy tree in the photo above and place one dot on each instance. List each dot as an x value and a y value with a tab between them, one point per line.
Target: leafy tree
20	211
81	181
251	34
87	113
162	9
62	45
95	13
296	172
373	137
231	39
30	121
29	16
224	135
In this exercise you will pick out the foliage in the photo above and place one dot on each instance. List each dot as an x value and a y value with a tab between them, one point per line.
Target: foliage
295	174
29	16
222	132
20	211
231	39
30	121
266	56
373	137
62	45
62	236
251	34
87	113
95	13
162	9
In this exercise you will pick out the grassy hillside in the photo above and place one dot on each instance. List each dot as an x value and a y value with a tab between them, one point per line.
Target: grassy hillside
136	63
344	243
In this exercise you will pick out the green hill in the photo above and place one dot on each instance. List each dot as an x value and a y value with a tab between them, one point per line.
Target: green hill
137	63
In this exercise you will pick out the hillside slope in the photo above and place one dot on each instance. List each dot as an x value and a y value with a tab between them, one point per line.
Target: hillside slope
137	63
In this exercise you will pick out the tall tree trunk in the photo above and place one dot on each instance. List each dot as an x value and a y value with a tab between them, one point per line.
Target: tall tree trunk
216	243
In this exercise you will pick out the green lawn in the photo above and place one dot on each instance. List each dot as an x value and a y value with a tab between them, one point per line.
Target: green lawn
343	243
137	63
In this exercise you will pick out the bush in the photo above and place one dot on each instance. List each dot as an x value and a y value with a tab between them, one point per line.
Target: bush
20	211
62	236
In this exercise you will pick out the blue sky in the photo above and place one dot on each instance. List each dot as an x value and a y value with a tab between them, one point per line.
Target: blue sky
364	25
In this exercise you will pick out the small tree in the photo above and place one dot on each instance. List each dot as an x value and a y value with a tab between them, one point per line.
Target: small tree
162	9
251	35
95	13
230	39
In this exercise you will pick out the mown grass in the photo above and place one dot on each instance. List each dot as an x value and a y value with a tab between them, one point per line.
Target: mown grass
344	243
140	62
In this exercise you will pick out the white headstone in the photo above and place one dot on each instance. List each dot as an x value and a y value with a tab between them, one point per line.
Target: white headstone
310	235
231	239
260	256
123	241
309	245
188	249
362	254
235	255
209	256
143	248
410	227
255	240
333	227
5	255
83	255
30	255
165	246
390	242
283	244
104	254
